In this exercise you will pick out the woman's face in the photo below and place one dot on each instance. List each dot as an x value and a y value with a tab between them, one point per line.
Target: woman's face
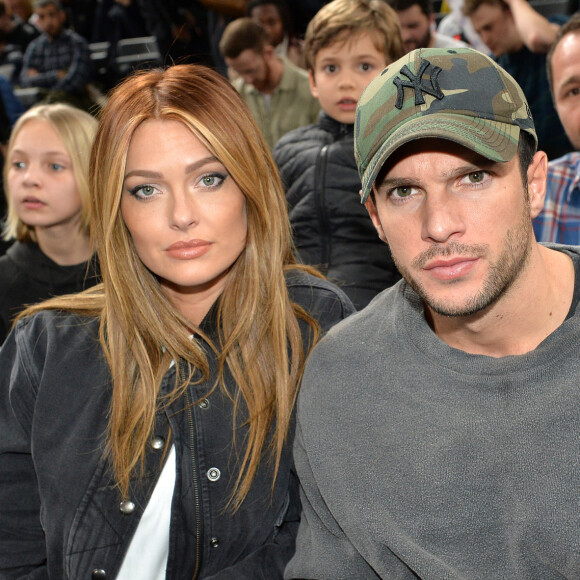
186	215
41	181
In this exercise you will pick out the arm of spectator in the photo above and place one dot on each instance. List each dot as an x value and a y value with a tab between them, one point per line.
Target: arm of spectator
76	77
537	32
12	107
30	75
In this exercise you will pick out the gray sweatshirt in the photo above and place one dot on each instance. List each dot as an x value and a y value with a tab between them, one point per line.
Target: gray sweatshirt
418	460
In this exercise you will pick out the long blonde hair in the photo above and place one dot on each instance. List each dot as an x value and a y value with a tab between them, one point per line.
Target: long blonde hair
76	129
141	332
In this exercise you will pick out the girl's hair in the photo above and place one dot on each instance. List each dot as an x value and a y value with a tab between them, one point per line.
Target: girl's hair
141	331
76	129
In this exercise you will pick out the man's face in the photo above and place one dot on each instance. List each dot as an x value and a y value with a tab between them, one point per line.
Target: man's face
415	28
566	85
495	25
252	66
458	226
50	19
268	15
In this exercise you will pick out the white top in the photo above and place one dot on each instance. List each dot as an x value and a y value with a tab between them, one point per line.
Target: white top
149	548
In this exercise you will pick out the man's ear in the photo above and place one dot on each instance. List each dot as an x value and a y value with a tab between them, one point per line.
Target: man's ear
312	82
537	182
374	215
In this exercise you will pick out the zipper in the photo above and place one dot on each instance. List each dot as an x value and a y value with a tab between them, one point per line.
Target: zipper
320	192
195	475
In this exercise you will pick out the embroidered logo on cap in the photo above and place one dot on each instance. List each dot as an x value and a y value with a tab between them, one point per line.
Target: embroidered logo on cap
419	84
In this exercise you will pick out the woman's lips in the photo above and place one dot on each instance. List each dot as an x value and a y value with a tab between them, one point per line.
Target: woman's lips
188	250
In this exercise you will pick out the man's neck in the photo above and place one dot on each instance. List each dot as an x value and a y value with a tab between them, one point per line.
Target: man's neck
275	72
530	310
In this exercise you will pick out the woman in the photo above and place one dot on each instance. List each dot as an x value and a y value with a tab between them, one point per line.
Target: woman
46	177
150	418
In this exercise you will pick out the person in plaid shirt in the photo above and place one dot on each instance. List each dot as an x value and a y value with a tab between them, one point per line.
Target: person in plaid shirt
58	61
559	221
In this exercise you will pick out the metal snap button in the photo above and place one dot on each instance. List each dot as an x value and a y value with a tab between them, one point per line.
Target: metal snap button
213	473
158	442
214	542
127	507
204	404
99	574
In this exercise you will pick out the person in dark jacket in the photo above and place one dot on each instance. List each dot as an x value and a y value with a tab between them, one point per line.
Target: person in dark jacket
147	423
46	183
347	45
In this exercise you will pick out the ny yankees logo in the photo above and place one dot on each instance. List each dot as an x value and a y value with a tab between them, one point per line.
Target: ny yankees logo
417	83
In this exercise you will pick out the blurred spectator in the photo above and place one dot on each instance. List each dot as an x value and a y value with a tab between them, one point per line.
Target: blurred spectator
418	26
58	61
276	92
181	30
274	16
559	221
519	38
23	9
116	19
15	31
13	108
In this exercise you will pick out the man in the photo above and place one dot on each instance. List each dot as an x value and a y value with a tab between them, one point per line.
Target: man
58	61
519	38
437	430
276	91
418	26
559	221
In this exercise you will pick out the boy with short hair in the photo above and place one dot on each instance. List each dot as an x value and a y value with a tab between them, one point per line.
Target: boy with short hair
347	44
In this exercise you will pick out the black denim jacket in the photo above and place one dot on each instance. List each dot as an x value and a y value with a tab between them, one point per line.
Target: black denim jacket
61	517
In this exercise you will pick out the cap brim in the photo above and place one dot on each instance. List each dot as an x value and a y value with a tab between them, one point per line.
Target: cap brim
493	140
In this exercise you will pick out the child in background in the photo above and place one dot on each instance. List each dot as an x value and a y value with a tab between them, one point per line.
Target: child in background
46	184
347	44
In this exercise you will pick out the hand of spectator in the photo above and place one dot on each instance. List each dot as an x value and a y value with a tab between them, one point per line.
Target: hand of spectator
32	72
536	31
61	74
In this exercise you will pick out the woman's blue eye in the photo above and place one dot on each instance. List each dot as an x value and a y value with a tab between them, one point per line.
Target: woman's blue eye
56	167
212	180
143	191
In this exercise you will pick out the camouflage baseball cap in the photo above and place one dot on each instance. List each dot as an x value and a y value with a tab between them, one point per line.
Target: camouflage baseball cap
460	95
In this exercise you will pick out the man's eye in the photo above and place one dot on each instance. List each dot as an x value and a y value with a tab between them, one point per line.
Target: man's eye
476	176
402	191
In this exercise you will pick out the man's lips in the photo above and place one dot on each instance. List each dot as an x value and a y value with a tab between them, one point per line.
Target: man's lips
452	267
